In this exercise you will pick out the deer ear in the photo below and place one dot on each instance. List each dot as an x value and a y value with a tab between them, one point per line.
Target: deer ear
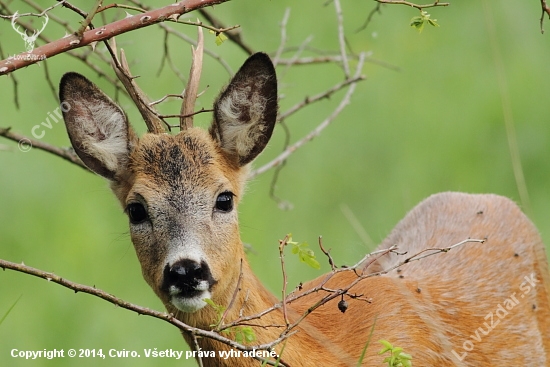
97	127
246	111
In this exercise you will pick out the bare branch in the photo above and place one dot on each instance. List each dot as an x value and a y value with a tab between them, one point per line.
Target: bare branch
282	245
282	44
51	277
545	10
375	10
413	5
150	115
291	149
62	45
341	37
88	21
25	144
233	35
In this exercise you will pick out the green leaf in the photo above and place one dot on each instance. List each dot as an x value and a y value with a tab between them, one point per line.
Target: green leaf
244	334
387	346
220	38
305	254
419	21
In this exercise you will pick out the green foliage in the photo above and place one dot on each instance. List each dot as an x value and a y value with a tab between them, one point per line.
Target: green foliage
242	334
305	254
220	37
419	21
397	357
219	312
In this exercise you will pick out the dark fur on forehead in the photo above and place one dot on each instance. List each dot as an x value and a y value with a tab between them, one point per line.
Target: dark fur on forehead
168	158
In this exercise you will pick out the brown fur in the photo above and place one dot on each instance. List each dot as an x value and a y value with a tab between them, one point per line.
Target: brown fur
431	308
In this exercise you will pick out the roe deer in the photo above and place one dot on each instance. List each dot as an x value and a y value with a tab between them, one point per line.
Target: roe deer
479	305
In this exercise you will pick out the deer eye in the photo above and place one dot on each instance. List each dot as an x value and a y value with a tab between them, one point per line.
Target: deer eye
137	213
224	201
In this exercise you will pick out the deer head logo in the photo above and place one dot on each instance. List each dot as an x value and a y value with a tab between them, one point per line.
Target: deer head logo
29	40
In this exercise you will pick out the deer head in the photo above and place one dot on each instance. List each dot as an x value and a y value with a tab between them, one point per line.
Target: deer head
180	192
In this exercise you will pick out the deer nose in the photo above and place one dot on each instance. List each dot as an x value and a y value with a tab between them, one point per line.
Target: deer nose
187	278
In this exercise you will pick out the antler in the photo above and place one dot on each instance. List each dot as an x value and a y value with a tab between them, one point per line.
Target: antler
191	90
154	123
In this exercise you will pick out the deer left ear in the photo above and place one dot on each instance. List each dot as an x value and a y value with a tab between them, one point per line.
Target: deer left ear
246	111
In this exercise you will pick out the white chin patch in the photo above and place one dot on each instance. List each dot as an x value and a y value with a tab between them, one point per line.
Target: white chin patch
190	304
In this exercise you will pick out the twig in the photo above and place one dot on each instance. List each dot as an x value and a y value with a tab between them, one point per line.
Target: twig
44	11
197	348
108	31
150	115
282	44
375	10
214	22
189	40
88	21
341	37
291	149
234	36
167	58
51	277
14	83
545	10
234	297
320	96
26	143
282	245
413	5
327	254
216	30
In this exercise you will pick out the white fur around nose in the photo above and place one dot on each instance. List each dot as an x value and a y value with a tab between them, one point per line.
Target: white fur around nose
190	250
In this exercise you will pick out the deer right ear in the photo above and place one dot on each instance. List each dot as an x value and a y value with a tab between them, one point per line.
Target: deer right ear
246	111
98	128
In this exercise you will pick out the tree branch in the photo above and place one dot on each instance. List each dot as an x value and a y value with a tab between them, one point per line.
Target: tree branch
25	144
413	5
62	45
291	149
545	10
51	277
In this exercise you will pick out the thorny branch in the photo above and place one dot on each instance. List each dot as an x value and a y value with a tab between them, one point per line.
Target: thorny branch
291	149
173	12
358	269
51	277
413	5
26	144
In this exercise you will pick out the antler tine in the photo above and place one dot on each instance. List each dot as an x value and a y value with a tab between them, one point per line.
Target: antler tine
154	124
192	88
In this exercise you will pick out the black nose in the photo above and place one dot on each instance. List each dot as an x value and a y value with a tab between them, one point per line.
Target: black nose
187	278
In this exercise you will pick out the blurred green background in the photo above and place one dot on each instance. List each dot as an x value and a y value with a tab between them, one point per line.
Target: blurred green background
434	125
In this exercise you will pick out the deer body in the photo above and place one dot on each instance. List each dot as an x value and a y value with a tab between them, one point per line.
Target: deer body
180	193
